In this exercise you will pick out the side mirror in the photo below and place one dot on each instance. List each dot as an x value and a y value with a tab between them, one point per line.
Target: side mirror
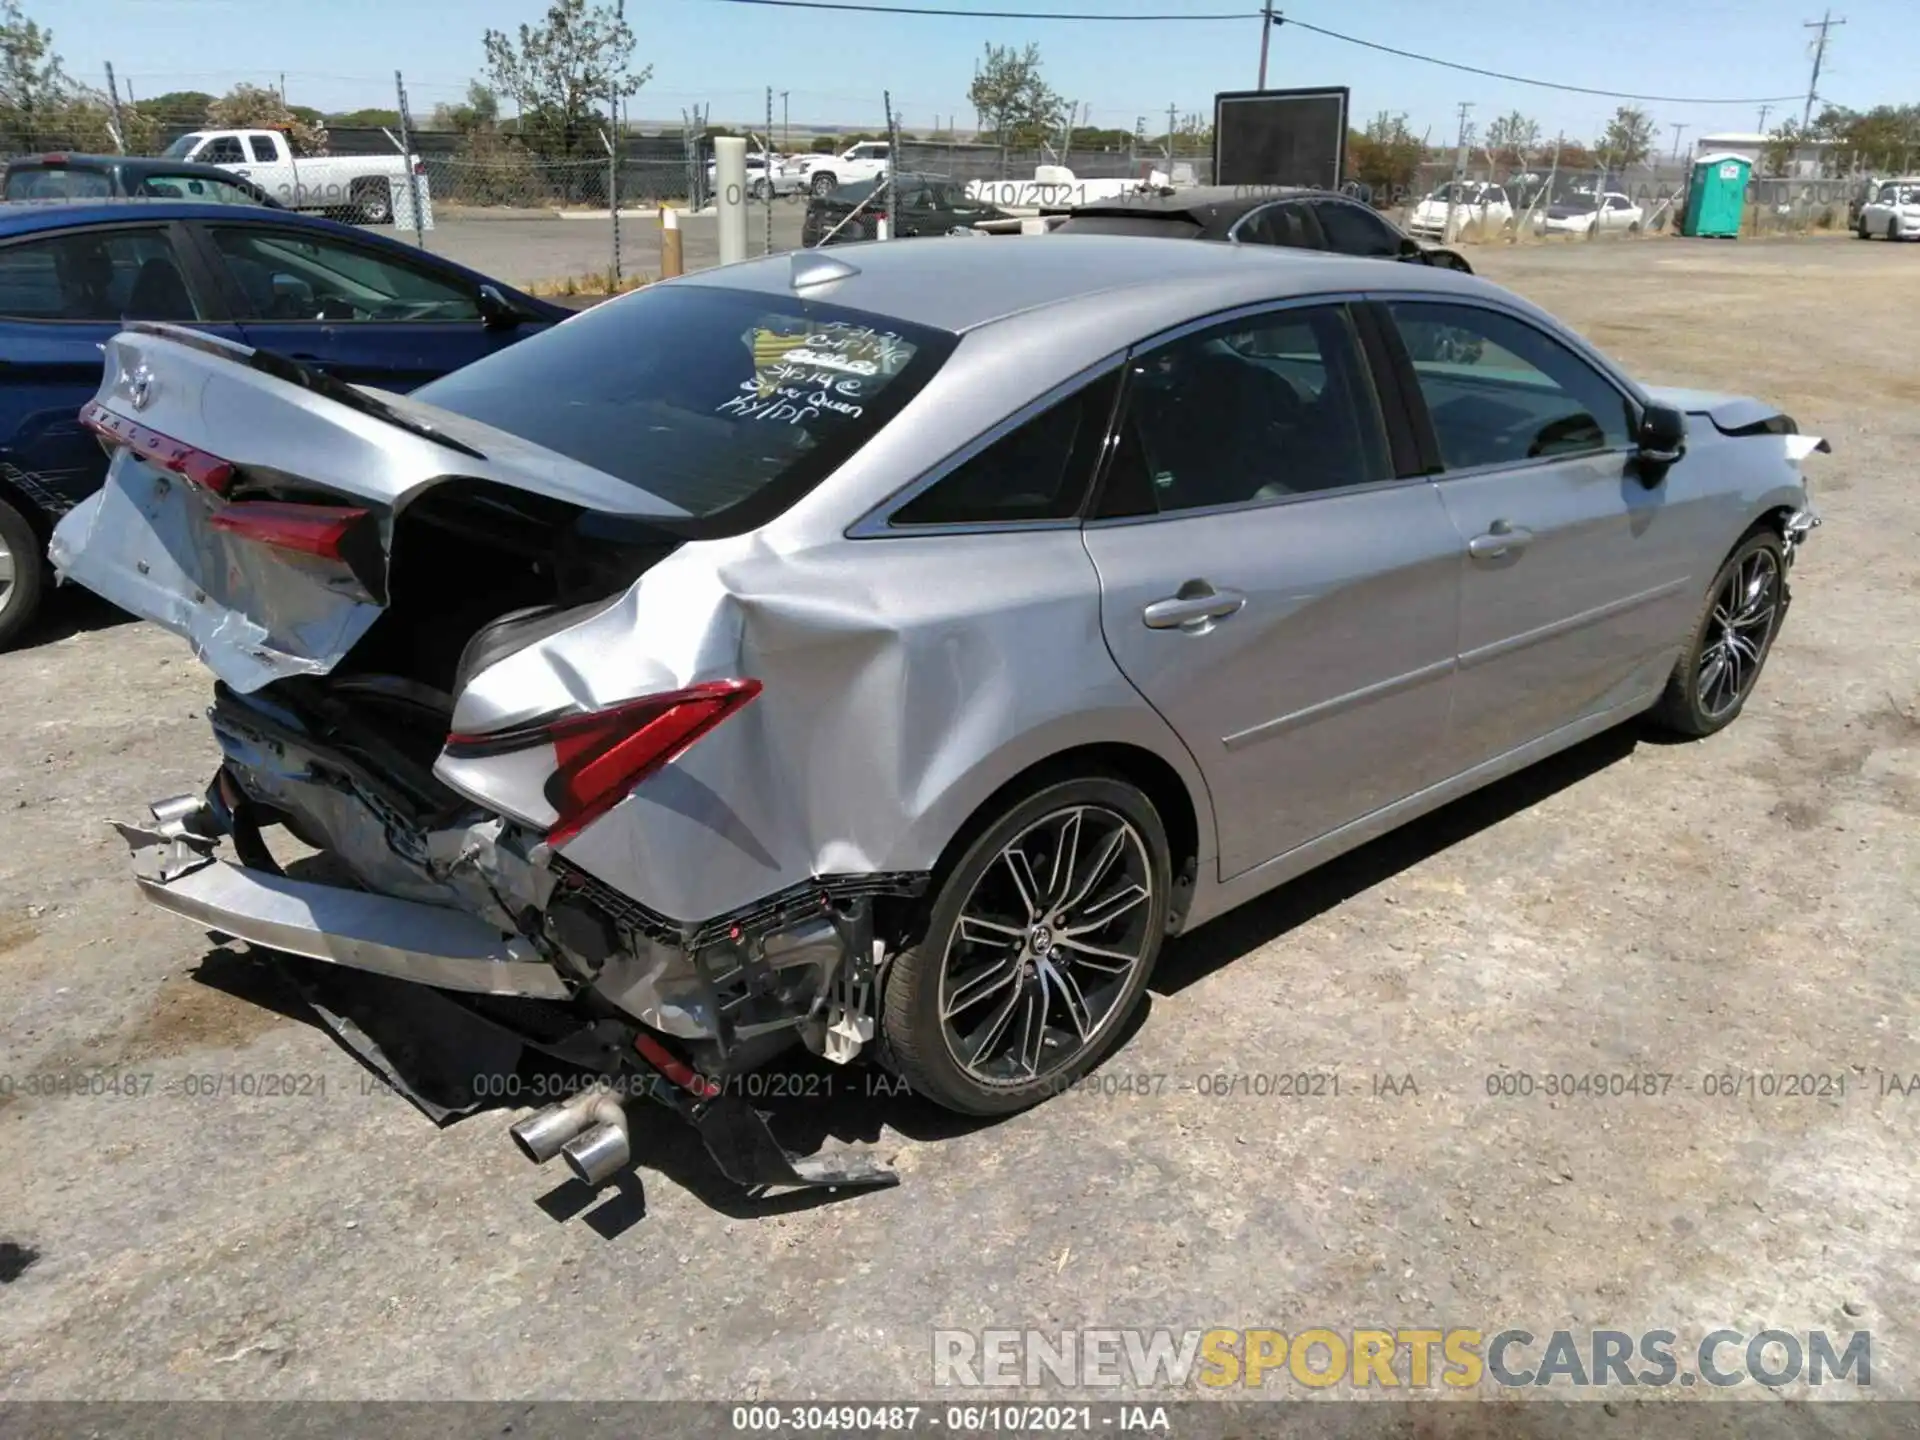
496	311
1410	249
1663	437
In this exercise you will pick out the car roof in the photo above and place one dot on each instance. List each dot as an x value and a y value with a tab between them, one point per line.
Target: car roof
77	160
962	283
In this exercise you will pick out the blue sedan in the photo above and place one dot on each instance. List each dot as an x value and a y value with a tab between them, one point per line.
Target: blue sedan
364	309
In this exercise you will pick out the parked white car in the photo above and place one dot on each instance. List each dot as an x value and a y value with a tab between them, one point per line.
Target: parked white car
788	178
823	174
1470	203
363	184
1578	214
1892	210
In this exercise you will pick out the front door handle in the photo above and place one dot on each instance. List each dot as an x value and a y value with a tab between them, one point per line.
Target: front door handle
1502	537
1193	609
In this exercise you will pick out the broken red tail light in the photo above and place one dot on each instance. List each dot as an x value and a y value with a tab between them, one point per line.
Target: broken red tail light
169	454
309	529
601	756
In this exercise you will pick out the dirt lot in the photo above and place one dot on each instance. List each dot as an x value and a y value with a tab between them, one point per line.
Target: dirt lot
1741	907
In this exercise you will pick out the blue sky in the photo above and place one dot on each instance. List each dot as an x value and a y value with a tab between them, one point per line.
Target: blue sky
342	54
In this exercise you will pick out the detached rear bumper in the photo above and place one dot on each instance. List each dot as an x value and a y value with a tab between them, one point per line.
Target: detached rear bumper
176	870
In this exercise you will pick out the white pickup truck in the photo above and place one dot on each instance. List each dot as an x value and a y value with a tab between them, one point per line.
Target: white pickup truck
367	186
821	174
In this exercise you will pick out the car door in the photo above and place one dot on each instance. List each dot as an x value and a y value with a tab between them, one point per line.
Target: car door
63	295
358	311
1577	580
1275	578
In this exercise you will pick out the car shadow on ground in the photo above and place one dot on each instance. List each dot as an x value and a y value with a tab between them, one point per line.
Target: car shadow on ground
72	611
1194	956
810	1104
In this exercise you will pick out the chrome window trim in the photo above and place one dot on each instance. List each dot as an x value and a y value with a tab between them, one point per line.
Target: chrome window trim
1241	507
877	523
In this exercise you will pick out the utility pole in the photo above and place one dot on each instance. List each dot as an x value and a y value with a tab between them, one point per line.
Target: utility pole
786	128
1765	110
1678	131
1825	23
1266	33
1171	111
1459	169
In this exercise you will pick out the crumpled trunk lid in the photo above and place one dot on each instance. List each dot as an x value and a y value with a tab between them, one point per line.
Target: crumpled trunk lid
250	503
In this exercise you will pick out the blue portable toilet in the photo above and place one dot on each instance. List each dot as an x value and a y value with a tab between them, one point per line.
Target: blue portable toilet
1716	195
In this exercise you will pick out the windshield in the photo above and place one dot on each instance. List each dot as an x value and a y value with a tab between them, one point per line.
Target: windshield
729	404
60	184
181	148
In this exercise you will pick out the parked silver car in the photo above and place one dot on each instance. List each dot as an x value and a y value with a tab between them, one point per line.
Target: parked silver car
886	651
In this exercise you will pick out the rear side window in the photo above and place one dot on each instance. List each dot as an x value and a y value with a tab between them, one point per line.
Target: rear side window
194	187
109	275
1279	225
262	147
58	184
1037	471
729	404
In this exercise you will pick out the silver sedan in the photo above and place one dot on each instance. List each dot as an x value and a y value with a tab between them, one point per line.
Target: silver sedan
885	652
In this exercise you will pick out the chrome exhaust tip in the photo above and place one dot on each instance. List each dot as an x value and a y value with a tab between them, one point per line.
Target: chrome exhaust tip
543	1134
595	1156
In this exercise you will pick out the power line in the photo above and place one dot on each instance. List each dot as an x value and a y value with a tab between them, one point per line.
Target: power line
1498	74
1278	19
991	14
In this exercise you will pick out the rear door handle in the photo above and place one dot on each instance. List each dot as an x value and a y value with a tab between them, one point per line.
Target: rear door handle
1194	609
1502	538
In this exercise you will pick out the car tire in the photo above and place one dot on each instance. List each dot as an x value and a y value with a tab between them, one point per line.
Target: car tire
372	202
1860	230
1045	970
823	184
23	574
757	191
1701	696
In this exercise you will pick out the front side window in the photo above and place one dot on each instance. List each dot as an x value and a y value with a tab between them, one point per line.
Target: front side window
292	276
224	151
1501	392
111	275
1353	231
727	404
1248	412
1037	471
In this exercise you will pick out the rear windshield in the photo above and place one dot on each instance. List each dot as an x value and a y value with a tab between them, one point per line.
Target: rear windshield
58	184
1172	227
854	191
730	404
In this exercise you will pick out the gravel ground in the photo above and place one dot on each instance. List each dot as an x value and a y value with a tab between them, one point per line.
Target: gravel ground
1737	907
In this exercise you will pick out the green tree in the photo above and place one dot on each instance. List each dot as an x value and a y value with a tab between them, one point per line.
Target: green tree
178	109
562	72
33	86
369	119
1512	142
1884	139
259	107
1628	140
1386	156
1011	99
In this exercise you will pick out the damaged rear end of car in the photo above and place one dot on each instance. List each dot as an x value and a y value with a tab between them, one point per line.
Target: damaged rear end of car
385	592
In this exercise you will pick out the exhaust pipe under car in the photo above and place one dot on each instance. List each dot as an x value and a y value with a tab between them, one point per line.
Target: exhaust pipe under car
589	1132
